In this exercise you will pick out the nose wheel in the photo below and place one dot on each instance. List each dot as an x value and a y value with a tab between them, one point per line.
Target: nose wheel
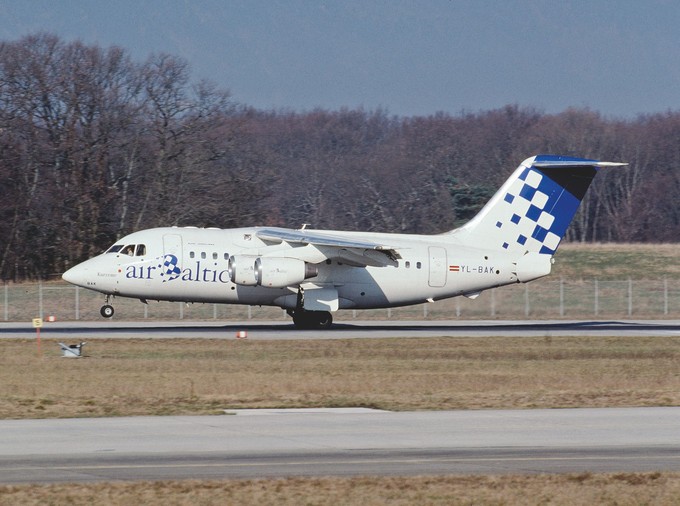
107	309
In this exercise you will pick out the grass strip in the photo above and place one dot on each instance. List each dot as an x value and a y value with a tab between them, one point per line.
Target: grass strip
662	489
172	377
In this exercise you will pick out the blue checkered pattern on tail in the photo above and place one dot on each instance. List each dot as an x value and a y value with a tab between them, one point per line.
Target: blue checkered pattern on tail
538	212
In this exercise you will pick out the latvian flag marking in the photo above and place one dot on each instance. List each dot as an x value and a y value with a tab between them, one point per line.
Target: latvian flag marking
454	268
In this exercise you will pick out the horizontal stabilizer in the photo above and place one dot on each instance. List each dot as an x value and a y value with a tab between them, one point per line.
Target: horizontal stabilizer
593	163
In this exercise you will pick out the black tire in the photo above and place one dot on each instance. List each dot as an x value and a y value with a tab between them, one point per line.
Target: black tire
106	311
324	320
312	319
300	320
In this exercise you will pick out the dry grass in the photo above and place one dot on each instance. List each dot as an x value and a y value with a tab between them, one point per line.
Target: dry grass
160	377
617	261
662	489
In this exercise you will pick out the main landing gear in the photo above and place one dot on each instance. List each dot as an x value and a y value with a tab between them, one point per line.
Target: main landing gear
304	319
311	319
107	309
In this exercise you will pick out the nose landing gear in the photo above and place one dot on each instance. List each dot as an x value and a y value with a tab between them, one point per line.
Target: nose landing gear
107	309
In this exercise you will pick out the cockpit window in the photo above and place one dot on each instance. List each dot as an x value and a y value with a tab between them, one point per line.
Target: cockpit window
138	250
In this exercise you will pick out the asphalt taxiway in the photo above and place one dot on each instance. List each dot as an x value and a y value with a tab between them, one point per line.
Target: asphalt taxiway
344	443
350	329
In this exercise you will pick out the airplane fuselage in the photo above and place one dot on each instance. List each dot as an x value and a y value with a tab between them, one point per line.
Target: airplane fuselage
199	270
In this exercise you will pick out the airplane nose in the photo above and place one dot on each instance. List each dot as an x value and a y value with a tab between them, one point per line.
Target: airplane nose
98	273
75	275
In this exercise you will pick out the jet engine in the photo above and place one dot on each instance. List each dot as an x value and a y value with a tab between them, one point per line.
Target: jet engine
280	272
242	270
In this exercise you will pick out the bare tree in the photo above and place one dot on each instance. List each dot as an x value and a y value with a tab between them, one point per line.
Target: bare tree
94	145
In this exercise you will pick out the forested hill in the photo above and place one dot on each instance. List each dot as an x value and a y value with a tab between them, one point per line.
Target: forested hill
95	145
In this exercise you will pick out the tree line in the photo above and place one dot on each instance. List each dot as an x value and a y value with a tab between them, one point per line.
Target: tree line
95	145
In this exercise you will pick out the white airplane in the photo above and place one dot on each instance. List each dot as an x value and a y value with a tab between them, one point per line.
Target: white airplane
312	273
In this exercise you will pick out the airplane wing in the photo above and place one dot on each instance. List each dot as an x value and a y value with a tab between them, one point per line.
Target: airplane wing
352	251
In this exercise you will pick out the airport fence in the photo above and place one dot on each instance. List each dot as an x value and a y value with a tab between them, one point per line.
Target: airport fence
547	299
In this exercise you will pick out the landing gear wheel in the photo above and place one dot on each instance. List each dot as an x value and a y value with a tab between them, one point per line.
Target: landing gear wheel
106	311
324	319
312	319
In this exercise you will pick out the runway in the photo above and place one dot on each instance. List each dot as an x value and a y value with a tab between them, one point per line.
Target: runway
351	329
256	444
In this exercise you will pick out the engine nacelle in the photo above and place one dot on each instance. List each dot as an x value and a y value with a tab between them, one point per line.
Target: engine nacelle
242	270
281	272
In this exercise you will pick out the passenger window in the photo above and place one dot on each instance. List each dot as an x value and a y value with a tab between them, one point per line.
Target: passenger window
418	265
141	250
192	254
407	264
226	256
214	256
203	255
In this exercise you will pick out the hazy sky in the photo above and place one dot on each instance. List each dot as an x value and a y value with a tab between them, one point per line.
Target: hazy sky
619	57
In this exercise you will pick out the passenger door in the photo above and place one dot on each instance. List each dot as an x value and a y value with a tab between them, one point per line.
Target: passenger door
437	276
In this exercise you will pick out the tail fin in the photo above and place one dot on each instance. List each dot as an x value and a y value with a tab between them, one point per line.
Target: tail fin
532	210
